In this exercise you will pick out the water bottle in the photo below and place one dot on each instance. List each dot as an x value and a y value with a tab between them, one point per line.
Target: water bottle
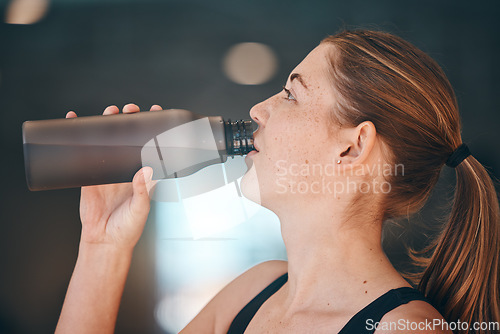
92	150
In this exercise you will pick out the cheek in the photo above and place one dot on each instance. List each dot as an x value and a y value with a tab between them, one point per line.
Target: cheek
297	139
293	159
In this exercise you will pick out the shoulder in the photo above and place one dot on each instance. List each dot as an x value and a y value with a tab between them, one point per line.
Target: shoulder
416	317
259	276
217	315
245	287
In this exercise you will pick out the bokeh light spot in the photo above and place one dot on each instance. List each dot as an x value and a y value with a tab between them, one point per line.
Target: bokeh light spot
250	63
26	11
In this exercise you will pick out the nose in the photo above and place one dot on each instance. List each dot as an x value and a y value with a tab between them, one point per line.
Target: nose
259	113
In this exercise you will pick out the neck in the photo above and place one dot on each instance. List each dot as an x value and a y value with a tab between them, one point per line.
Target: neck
331	261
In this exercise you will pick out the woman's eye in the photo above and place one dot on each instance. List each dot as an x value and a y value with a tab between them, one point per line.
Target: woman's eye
289	95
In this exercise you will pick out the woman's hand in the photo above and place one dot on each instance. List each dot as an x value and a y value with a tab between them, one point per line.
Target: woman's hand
113	217
115	214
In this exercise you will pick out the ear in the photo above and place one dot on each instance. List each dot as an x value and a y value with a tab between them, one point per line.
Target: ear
358	143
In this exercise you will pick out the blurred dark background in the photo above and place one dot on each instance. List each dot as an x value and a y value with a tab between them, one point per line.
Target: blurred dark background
86	54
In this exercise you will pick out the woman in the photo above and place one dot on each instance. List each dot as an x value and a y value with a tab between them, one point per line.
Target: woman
358	135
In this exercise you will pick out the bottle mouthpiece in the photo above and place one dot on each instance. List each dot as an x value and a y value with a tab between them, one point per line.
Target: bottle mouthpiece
239	136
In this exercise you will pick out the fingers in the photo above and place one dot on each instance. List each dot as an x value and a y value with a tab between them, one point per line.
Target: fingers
130	108
111	110
127	109
155	107
71	114
142	184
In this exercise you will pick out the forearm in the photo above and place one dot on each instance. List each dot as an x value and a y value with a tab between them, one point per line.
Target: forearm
95	290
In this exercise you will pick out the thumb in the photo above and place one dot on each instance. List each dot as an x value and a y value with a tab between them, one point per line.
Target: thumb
141	185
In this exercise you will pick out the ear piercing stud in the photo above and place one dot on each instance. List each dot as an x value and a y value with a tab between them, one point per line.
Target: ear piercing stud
338	161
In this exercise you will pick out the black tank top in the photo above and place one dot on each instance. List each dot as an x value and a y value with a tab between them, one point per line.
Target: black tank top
356	325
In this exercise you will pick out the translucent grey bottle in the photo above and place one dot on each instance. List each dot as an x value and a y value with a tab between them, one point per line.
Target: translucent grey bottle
81	151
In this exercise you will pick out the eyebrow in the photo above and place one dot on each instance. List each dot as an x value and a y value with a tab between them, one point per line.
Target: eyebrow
298	77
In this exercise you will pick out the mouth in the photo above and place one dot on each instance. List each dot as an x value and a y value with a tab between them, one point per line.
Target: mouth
255	149
252	152
255	146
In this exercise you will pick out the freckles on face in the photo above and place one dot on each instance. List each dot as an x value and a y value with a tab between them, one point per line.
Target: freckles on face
295	131
301	127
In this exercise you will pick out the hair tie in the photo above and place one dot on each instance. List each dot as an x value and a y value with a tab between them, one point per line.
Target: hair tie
458	156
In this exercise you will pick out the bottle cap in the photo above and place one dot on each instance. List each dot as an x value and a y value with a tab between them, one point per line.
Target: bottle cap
239	136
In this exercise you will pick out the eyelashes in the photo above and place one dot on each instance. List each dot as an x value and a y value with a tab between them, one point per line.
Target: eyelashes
289	95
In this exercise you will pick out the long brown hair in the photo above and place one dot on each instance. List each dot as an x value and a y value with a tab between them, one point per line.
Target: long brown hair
381	78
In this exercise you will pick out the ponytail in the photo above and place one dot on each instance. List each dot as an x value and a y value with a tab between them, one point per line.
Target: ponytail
462	278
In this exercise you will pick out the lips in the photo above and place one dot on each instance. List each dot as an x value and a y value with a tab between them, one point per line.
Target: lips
255	146
255	149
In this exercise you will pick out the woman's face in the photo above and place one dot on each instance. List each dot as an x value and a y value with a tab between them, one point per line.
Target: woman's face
294	139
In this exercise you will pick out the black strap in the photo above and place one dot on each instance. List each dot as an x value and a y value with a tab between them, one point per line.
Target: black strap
241	321
364	321
458	156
